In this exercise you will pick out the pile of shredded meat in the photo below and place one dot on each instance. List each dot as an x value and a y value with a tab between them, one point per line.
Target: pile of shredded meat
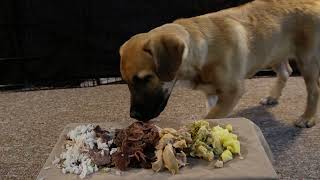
136	146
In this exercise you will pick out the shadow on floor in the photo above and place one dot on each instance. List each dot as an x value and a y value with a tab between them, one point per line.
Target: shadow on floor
279	135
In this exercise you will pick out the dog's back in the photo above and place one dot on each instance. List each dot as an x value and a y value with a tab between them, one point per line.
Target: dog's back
260	34
274	30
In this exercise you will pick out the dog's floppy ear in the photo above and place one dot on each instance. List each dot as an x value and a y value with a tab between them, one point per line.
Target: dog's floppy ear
121	48
167	52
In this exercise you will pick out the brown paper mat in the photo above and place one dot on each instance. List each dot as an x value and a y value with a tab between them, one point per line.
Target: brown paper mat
257	162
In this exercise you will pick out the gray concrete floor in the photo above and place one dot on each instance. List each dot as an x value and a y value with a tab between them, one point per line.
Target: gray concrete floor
30	123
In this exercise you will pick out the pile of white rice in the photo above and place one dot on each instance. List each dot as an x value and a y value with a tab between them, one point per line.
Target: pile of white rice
75	158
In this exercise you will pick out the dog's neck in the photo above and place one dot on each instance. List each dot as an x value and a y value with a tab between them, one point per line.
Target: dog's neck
174	29
197	45
197	49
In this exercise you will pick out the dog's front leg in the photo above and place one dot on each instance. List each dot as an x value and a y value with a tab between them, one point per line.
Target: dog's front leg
211	102
226	101
283	71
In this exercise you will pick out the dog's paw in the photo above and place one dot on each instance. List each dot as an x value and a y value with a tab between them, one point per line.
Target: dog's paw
209	116
305	123
269	101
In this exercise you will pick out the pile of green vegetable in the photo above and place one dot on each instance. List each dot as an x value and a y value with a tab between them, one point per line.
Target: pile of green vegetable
213	142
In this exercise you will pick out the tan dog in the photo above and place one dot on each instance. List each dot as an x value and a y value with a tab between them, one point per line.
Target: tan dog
216	52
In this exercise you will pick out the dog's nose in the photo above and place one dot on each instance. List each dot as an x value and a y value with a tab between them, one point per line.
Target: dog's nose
135	115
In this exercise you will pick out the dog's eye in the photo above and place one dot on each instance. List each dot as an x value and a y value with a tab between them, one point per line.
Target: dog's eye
148	51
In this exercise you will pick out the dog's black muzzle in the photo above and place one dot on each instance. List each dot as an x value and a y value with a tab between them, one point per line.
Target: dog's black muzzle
146	104
150	107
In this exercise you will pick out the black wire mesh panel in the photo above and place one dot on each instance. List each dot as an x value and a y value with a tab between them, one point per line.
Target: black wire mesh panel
48	41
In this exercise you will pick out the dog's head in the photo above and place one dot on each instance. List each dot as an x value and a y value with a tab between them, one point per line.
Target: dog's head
149	63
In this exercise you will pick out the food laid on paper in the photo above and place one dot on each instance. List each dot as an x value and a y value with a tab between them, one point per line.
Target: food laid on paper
90	148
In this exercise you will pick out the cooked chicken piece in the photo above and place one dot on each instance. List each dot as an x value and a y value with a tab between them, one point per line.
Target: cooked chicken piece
180	144
158	165
165	139
169	159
